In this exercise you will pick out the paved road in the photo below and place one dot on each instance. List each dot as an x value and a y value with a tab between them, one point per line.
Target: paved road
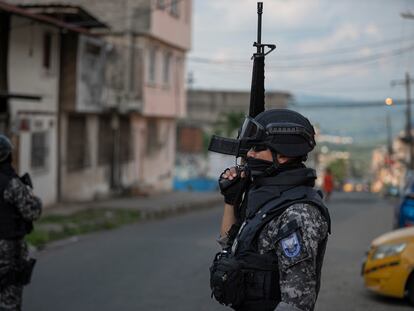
163	265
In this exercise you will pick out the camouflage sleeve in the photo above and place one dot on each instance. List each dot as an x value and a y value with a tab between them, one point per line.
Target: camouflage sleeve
300	229
18	194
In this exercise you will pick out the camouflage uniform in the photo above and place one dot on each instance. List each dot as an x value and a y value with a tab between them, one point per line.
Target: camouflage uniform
11	251
298	273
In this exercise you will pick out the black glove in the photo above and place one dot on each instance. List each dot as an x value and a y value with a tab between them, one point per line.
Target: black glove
232	189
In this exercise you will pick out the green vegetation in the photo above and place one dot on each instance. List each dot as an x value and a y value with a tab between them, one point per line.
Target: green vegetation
339	169
229	124
55	227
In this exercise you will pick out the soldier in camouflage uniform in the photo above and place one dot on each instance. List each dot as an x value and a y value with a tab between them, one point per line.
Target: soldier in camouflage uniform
279	240
18	209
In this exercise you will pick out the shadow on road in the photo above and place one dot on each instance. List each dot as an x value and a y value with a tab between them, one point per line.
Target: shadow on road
389	301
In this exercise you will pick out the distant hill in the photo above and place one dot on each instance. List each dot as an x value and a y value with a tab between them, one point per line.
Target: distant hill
366	125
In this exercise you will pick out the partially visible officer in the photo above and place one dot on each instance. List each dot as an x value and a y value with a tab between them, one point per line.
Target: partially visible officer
272	258
18	209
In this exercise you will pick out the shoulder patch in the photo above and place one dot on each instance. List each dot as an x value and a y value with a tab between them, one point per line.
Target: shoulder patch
291	245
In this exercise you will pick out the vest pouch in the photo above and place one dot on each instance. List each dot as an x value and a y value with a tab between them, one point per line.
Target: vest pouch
24	274
227	281
255	281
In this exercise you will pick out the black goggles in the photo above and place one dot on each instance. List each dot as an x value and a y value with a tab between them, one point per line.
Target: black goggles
252	130
259	147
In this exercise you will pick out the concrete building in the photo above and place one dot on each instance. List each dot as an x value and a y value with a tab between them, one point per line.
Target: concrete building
206	107
142	94
391	169
30	82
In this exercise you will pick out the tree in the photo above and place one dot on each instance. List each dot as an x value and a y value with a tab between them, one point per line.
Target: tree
338	168
229	124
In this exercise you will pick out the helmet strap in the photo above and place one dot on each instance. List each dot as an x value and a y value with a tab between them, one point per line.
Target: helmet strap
274	167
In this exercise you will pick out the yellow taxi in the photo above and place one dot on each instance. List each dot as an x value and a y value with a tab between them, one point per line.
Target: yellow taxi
389	267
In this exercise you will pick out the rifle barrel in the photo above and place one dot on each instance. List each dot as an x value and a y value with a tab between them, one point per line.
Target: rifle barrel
259	26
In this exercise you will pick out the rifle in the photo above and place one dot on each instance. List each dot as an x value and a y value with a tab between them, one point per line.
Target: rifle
238	147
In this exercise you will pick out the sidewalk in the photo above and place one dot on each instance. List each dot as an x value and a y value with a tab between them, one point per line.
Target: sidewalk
149	207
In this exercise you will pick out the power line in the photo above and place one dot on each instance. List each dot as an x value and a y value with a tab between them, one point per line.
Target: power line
376	104
343	50
310	66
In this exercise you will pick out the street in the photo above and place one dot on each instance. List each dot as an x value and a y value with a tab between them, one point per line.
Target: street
163	264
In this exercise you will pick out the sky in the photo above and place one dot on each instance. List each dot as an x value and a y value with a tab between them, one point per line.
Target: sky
337	49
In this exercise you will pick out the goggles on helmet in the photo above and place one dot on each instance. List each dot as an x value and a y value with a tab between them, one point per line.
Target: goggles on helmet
251	130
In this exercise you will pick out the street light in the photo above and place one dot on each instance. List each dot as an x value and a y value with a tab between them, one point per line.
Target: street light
389	102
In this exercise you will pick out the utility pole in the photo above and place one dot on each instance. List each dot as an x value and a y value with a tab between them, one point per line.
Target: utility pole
389	102
409	138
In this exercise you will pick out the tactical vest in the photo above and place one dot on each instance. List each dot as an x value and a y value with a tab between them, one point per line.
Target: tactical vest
261	272
12	224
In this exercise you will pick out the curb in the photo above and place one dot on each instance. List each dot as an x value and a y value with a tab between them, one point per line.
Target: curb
178	209
145	215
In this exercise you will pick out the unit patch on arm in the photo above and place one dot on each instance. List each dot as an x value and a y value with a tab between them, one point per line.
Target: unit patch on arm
291	246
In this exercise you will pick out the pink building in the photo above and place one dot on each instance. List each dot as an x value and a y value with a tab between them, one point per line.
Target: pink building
122	93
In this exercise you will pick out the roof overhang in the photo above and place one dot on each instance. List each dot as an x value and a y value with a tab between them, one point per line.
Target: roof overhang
12	9
71	14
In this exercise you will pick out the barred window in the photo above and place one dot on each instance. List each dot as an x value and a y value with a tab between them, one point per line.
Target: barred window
77	153
39	150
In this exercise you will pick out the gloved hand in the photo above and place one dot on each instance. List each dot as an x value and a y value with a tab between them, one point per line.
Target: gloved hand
232	183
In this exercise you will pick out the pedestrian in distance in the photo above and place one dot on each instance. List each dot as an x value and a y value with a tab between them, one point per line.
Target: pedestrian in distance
328	184
273	242
18	209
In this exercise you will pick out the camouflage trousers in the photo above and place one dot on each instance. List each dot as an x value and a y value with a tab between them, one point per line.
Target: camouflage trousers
11	251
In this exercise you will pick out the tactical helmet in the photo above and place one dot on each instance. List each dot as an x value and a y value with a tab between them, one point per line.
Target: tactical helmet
284	131
5	147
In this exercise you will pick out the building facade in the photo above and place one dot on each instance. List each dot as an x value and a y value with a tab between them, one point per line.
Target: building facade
120	99
206	107
30	61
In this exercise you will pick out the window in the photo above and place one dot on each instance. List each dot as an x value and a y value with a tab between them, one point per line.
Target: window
126	147
152	64
161	4
166	68
175	8
39	150
77	144
153	144
47	50
105	141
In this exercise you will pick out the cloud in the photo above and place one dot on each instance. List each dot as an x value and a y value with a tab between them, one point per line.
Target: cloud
372	30
344	33
284	13
226	29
